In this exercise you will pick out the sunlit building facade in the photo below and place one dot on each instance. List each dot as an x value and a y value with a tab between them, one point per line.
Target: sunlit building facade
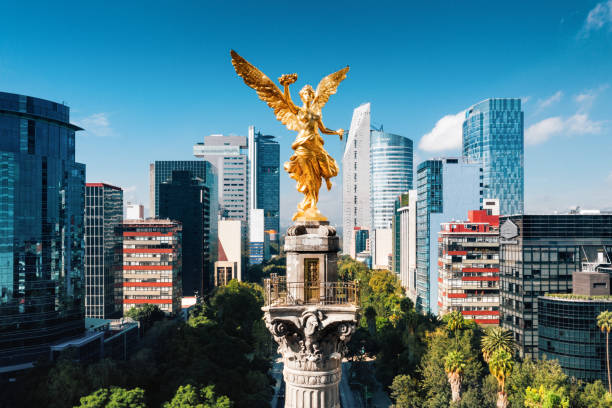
447	189
152	264
468	262
390	175
493	135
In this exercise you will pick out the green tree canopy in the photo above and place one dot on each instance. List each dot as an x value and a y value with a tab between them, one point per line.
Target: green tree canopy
114	398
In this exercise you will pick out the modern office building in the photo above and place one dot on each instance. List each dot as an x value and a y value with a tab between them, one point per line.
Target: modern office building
42	208
191	201
567	329
390	174
229	155
360	239
259	238
161	171
447	189
468	262
264	181
493	136
538	254
103	251
134	211
401	201
152	264
356	178
407	244
230	264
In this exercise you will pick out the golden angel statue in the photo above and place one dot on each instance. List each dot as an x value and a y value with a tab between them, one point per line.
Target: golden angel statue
310	163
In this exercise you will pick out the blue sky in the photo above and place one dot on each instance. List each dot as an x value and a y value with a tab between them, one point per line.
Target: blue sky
149	79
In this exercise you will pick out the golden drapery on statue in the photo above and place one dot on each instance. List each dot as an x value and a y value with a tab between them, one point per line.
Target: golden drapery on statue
310	164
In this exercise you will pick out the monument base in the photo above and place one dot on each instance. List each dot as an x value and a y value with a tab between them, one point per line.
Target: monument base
311	316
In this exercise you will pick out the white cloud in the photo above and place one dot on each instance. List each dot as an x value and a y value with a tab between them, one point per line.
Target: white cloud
599	17
543	130
97	124
556	97
446	134
578	124
586	98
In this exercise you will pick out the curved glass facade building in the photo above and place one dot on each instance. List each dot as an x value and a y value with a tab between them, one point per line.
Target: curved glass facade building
390	175
493	136
568	332
42	192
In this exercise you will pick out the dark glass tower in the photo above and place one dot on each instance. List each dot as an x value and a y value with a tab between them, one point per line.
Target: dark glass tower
103	250
42	191
193	202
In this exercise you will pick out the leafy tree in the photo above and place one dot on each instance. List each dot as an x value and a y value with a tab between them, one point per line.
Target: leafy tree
454	364
604	321
500	365
545	398
405	392
189	396
114	398
534	373
496	338
146	315
593	395
454	322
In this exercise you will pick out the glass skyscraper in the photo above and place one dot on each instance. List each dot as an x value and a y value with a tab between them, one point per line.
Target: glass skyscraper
447	189
390	175
493	136
42	192
103	250
264	183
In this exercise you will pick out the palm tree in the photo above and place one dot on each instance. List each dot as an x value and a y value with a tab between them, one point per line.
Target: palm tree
454	322
604	321
500	365
454	363
496	338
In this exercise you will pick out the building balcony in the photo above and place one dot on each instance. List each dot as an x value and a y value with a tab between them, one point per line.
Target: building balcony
279	292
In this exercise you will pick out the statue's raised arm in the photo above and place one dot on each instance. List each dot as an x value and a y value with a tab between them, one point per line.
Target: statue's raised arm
284	109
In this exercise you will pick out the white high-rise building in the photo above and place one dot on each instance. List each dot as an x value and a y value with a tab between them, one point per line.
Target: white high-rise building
230	157
229	266
134	211
356	177
407	215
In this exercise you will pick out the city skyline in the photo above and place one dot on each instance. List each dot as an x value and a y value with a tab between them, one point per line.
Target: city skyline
124	78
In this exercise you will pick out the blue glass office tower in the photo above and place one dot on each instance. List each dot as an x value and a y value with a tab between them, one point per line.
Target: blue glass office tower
493	136
390	175
447	189
42	192
268	180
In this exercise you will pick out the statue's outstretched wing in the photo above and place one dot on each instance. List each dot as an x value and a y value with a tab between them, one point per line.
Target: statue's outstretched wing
328	86
266	90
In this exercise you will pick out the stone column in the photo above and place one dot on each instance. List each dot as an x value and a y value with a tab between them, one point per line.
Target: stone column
311	321
312	341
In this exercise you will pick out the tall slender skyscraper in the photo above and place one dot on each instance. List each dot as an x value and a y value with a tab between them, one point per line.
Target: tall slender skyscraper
264	181
447	189
356	177
103	248
390	175
42	194
493	136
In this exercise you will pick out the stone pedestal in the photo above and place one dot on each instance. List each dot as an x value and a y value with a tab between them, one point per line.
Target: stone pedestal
311	316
